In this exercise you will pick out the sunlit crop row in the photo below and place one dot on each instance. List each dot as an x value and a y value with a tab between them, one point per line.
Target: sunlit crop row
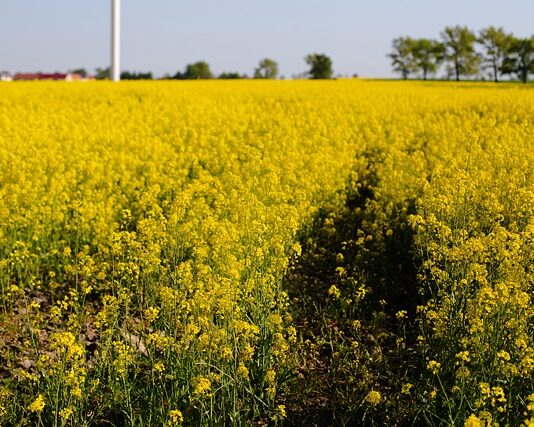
147	230
446	241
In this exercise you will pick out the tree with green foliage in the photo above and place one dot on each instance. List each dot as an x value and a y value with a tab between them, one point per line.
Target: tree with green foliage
267	69
320	66
197	71
496	44
102	73
128	75
402	56
232	76
520	59
427	55
460	51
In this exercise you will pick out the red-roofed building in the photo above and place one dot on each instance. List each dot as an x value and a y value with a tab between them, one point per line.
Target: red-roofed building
49	76
26	76
52	76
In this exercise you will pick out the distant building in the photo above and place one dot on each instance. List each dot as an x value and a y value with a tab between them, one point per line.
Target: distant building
73	76
5	76
26	76
68	77
52	76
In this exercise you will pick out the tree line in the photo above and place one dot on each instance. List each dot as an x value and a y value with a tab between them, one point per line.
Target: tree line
320	68
465	53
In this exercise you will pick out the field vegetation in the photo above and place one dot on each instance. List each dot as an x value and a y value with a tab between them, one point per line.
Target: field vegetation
266	252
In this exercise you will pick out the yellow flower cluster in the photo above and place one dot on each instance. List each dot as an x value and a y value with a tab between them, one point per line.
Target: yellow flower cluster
176	417
373	397
37	405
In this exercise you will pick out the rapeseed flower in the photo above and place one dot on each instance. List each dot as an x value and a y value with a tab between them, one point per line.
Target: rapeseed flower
373	397
37	405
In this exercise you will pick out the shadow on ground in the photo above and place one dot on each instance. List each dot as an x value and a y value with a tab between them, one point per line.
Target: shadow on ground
349	347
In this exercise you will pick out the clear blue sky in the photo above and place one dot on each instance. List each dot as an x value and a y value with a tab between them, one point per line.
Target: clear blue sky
233	35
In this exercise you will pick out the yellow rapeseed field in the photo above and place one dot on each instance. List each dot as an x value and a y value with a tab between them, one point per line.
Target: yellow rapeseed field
153	237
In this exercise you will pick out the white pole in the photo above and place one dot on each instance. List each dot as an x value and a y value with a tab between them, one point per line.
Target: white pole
115	40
